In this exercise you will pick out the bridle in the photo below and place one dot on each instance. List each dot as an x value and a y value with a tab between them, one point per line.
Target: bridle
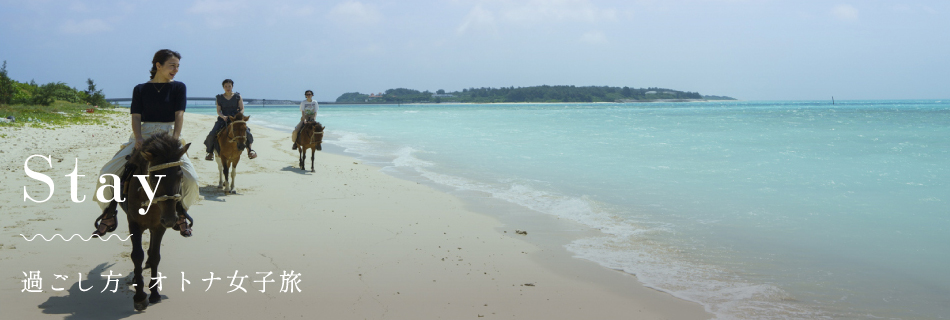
175	197
231	136
313	135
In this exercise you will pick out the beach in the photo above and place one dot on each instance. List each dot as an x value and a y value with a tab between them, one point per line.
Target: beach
366	245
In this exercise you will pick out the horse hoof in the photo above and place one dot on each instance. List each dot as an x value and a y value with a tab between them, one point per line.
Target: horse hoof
154	298
233	191
141	305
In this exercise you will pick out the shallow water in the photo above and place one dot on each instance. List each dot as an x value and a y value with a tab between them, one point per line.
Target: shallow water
780	209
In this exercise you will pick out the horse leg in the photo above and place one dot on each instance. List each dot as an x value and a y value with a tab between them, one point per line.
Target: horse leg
138	301
226	167
312	152
220	170
154	257
302	157
234	172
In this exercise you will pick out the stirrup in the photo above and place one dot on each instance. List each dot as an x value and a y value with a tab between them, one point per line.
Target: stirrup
183	227
209	157
102	217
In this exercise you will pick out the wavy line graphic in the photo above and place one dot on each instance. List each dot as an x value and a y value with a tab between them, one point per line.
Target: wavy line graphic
71	237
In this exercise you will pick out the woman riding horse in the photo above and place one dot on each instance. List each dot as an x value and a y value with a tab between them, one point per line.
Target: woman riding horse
308	111
159	163
229	104
157	106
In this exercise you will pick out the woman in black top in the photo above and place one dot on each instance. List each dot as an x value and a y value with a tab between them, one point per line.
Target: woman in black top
157	105
229	104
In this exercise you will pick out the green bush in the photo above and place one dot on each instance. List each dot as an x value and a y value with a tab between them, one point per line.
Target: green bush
93	96
23	93
44	95
14	92
7	89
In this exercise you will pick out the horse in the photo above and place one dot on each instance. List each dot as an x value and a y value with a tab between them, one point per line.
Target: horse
231	142
309	137
160	160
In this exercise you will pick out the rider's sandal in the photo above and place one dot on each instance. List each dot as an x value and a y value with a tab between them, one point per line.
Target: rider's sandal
184	225
105	227
210	157
252	154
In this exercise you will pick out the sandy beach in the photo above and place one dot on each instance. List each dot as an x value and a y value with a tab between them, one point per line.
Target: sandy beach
366	245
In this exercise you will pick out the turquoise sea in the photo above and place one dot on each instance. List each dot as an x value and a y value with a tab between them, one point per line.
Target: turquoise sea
755	209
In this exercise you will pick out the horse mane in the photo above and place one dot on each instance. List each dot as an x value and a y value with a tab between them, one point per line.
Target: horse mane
315	124
162	146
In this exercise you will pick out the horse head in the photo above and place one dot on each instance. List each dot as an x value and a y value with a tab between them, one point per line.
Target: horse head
237	129
161	155
315	130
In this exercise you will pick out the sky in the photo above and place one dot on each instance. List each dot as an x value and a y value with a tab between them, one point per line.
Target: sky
747	49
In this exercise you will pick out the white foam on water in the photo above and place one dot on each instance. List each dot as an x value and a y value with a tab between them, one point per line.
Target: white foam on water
352	142
404	158
694	255
628	246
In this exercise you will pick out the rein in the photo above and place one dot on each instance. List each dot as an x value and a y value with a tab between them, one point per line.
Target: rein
313	136
176	196
165	166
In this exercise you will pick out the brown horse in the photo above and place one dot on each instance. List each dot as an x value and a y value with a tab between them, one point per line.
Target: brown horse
160	161
231	142
309	137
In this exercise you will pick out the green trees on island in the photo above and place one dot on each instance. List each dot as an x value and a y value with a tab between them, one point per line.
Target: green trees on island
526	94
7	89
14	92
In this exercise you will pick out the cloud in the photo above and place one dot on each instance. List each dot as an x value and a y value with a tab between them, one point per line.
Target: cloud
555	11
491	14
218	14
904	8
213	7
88	26
284	10
477	19
79	7
355	12
845	12
594	37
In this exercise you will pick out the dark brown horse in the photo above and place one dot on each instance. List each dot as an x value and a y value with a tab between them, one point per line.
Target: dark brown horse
309	137
231	142
160	161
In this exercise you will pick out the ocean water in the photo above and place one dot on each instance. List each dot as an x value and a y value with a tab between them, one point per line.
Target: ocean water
756	210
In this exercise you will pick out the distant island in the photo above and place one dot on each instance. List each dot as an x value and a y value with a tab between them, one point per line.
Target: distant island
528	94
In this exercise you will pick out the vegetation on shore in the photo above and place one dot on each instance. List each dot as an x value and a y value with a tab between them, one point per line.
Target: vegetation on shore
51	105
527	94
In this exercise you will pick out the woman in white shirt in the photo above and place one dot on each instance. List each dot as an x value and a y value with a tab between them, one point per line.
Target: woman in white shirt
308	110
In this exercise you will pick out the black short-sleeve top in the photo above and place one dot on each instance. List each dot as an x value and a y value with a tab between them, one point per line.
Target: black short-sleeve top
229	107
158	102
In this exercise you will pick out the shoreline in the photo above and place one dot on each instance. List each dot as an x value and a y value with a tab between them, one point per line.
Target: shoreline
370	245
325	103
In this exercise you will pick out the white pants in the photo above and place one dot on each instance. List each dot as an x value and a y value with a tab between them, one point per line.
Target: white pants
189	182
